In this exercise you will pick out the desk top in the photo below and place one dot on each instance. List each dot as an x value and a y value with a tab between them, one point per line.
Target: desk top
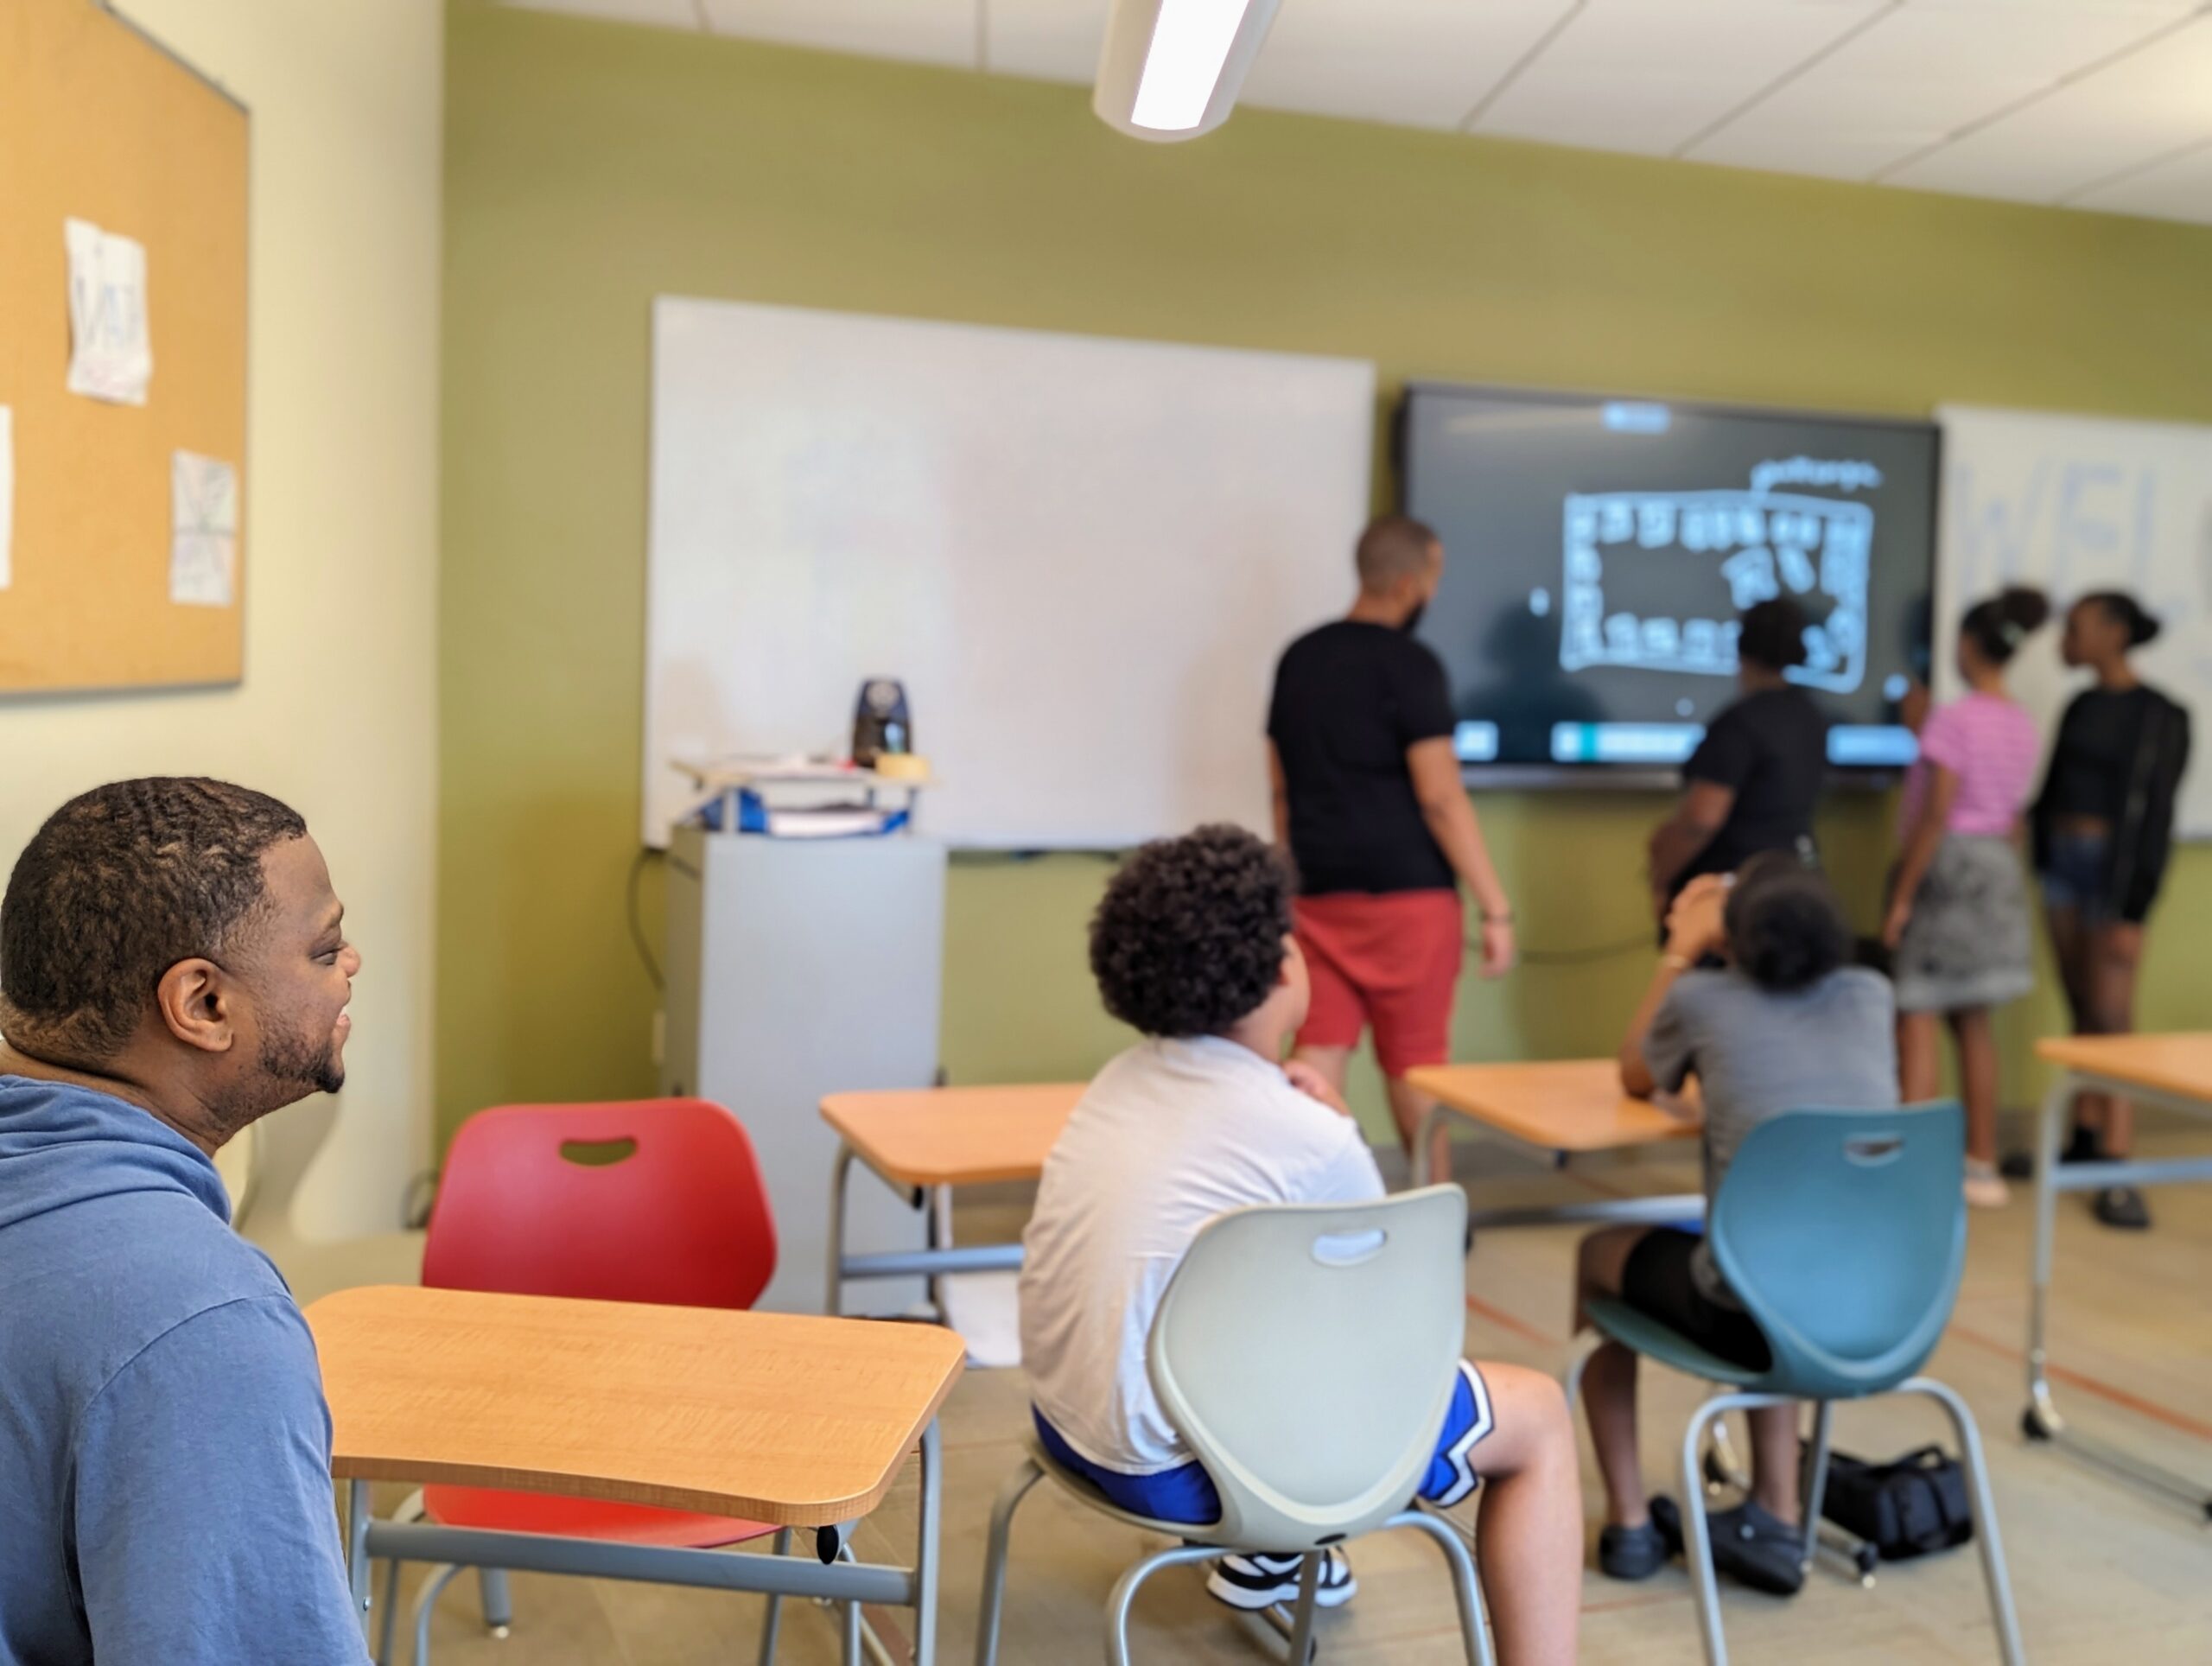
784	1418
1572	1104
954	1136
2180	1064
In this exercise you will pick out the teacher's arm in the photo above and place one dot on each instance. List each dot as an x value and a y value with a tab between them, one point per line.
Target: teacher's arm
1453	824
1279	796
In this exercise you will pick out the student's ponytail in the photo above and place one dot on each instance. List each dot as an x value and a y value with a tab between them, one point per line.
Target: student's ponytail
1998	627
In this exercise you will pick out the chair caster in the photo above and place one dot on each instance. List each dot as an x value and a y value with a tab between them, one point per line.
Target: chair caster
502	1632
1866	1558
2033	1426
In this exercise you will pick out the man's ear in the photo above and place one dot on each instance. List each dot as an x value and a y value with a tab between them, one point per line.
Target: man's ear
197	1000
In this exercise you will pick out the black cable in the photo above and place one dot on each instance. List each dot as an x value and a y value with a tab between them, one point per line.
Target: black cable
637	926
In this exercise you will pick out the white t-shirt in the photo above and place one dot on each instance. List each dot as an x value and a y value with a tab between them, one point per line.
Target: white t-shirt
1170	1135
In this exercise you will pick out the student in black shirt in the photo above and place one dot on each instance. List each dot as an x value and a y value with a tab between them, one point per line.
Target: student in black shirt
1369	802
1754	779
2103	827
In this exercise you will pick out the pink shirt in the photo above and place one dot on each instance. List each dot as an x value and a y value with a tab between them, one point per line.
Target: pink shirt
1992	745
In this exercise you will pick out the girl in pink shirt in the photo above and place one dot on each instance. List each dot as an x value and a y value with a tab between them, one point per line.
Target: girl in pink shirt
1958	921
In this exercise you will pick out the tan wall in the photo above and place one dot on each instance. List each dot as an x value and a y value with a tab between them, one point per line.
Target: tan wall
337	712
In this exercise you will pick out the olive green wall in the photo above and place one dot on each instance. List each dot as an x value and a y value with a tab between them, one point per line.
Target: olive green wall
592	167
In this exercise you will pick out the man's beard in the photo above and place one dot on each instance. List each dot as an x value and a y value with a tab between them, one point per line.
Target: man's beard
294	1061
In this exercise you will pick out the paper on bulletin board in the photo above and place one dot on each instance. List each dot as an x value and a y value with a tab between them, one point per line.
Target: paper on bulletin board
204	530
110	351
7	497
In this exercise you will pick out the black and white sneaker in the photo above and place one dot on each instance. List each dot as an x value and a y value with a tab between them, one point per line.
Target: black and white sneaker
1252	1583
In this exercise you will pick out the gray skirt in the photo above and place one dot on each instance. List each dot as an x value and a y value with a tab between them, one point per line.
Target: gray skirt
1966	943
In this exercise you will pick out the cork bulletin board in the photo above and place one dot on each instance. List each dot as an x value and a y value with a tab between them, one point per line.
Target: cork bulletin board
124	543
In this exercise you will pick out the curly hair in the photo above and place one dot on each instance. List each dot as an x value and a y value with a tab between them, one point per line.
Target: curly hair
1188	939
119	885
1786	930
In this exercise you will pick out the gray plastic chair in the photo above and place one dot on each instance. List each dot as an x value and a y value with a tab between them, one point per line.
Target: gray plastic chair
1306	1355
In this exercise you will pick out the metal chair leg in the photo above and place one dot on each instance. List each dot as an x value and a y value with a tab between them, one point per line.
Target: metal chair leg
1465	1589
1724	1467
994	1554
1814	1492
1125	1591
1587	1346
433	1588
1301	1616
1993	1572
1702	1583
391	1612
498	1603
771	1620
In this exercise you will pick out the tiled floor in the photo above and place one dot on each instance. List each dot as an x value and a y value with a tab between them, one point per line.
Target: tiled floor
2104	1573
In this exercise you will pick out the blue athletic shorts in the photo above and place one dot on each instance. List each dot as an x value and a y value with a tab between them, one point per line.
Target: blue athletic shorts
2077	875
1186	1493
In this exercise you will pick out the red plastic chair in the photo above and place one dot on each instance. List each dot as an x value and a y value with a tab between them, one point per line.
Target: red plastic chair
655	1200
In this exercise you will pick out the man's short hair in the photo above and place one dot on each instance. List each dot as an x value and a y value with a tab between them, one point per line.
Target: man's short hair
118	886
1393	547
1188	939
1772	634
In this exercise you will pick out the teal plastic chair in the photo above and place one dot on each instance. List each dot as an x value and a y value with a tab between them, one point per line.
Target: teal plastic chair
1844	1234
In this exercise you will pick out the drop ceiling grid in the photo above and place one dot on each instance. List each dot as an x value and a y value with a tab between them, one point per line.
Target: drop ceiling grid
2103	103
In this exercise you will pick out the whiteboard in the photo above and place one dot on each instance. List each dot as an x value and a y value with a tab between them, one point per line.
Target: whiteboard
1080	555
2076	504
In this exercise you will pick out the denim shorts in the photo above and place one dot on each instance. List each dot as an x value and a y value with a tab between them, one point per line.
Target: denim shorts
2077	875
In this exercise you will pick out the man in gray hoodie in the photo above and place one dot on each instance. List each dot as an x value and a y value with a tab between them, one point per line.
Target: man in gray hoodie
173	966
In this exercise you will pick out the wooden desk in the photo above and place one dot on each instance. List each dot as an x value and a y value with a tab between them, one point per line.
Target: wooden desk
1573	1105
927	1138
2174	1072
787	1419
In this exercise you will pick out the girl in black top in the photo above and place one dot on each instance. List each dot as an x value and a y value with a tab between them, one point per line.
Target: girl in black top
2102	829
1755	780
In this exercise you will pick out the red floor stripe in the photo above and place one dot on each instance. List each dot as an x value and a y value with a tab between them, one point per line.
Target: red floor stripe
1520	1328
2087	1384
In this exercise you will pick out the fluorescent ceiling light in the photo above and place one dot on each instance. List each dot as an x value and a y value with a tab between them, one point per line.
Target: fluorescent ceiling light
1171	69
1190	43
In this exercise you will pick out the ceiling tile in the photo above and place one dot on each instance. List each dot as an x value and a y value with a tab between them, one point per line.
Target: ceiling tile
1050	39
1420	63
663	14
1921	72
2145	105
922	31
2178	187
1649	75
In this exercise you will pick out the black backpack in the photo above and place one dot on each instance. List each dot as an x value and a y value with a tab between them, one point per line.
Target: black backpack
1904	1509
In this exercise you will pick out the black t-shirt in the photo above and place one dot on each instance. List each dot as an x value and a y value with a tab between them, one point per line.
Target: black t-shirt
1771	748
1349	698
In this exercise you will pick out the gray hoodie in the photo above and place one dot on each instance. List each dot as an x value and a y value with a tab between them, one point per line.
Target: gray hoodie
165	1489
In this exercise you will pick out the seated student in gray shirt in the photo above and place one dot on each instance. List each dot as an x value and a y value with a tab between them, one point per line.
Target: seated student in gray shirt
1785	1024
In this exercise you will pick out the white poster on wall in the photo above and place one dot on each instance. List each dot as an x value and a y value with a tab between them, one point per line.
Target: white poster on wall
2074	504
111	350
203	531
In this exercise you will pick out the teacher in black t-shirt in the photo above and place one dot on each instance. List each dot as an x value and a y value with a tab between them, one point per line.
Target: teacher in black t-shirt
1369	804
1754	779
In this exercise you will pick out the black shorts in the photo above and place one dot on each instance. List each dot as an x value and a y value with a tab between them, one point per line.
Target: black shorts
1657	1280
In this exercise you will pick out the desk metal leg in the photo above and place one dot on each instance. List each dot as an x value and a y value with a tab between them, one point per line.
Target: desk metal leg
833	1290
926	1548
2042	1420
357	1548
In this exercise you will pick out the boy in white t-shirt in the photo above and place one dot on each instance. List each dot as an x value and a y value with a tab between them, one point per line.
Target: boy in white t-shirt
1193	946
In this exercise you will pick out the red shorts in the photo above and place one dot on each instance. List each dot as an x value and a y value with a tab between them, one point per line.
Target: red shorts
1392	960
